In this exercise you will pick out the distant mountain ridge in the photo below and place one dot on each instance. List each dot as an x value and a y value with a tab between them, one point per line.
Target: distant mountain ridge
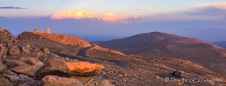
169	45
221	44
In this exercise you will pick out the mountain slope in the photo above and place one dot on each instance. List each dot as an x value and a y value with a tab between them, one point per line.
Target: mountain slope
169	45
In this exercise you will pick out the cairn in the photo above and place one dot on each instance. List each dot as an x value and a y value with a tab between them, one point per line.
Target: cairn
48	31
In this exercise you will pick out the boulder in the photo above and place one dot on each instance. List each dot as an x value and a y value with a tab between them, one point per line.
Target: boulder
59	81
178	73
27	69
2	69
13	63
61	68
14	50
45	50
19	79
7	37
25	49
32	65
5	82
3	51
53	67
48	31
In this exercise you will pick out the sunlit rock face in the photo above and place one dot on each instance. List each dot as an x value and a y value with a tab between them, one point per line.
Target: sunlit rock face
48	31
1	29
36	31
83	67
66	69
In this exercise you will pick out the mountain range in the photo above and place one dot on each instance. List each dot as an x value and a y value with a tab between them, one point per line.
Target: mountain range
170	45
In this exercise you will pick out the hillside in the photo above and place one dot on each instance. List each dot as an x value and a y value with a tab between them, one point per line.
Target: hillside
35	60
221	44
169	45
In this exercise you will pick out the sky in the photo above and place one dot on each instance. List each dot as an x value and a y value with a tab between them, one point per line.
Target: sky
95	20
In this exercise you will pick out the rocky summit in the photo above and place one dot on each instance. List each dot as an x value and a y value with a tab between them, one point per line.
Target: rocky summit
41	59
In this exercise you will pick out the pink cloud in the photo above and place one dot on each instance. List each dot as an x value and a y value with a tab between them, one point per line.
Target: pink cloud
86	14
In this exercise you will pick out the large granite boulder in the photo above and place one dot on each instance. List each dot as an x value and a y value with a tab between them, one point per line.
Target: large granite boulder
59	81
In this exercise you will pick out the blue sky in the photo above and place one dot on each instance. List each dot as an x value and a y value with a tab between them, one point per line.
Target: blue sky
109	19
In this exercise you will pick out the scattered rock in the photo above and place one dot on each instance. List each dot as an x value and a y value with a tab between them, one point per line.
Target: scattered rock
3	51
13	63
48	31
105	83
31	61
5	82
19	79
2	69
59	81
14	50
178	73
53	67
7	37
25	49
45	50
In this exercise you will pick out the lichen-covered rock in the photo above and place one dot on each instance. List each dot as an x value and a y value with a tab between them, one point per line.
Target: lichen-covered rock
3	51
5	82
2	69
14	50
45	50
59	81
48	31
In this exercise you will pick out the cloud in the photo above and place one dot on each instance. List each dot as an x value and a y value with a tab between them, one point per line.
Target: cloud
140	9
217	9
88	15
10	7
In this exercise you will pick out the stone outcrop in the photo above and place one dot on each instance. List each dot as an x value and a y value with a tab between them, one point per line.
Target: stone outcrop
59	81
7	37
83	67
61	38
36	31
48	31
25	65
